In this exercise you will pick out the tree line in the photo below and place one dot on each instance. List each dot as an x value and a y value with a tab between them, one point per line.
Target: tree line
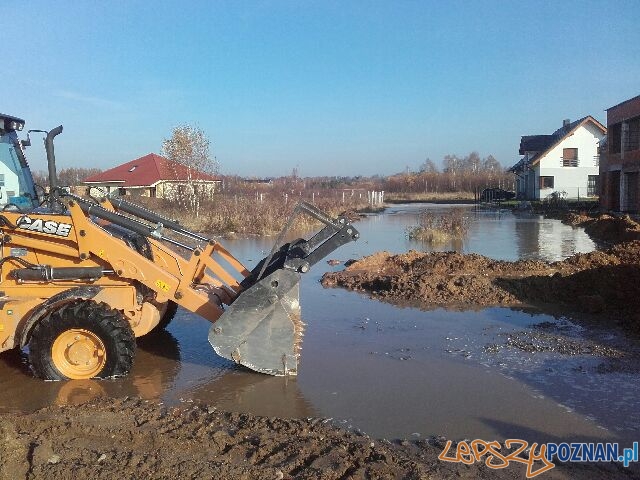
470	173
190	147
68	177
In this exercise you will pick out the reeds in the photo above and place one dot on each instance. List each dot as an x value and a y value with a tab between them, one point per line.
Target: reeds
439	197
439	228
234	214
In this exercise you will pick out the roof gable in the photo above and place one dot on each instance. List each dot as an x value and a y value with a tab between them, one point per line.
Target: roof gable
546	143
535	143
149	170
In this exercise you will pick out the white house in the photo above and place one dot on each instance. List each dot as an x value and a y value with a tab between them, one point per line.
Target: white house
565	162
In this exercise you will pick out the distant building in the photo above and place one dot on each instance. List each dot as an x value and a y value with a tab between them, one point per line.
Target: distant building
620	163
259	181
153	176
565	162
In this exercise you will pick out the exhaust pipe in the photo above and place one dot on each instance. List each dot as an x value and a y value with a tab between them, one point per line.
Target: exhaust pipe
51	164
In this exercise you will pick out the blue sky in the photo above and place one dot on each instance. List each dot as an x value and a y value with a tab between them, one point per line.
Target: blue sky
330	87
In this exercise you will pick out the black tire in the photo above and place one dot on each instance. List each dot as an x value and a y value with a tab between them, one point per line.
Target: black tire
167	316
99	323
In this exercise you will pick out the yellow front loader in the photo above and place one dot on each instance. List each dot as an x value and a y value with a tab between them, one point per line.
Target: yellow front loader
80	278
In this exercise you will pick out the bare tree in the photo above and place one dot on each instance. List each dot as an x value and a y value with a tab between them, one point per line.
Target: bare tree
428	166
472	162
189	147
452	167
74	176
40	177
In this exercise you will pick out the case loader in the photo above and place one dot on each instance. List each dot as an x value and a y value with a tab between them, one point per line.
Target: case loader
81	278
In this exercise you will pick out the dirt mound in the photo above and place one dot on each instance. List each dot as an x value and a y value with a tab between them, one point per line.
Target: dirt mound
134	439
606	228
597	282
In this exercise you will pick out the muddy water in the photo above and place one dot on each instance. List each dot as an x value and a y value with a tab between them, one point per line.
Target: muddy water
397	372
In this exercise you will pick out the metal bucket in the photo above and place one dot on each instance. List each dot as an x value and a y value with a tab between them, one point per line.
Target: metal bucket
262	329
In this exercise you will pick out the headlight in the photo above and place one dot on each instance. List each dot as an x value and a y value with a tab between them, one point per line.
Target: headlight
13	125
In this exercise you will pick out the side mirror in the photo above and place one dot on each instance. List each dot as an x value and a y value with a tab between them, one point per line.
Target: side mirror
27	142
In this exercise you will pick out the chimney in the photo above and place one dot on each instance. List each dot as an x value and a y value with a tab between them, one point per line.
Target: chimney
565	122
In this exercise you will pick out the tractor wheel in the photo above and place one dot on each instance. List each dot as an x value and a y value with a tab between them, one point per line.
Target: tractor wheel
82	340
167	316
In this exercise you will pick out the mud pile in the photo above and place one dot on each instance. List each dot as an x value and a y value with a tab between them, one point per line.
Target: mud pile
606	229
135	439
600	282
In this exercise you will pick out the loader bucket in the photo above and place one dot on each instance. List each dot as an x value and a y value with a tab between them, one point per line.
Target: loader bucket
262	329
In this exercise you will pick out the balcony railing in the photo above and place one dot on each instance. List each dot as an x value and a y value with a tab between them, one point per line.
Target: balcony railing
596	160
568	162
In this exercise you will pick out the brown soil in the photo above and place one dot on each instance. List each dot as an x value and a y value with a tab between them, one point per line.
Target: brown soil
606	228
604	283
135	439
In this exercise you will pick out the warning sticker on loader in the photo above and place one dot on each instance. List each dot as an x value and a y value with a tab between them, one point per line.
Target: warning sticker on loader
162	285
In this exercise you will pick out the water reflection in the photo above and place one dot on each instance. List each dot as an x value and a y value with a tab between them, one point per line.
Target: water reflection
242	390
549	239
498	234
159	374
156	366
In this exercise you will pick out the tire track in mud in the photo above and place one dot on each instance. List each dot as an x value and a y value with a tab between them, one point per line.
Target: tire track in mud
102	440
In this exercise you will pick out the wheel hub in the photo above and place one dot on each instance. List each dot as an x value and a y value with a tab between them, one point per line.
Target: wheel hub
78	354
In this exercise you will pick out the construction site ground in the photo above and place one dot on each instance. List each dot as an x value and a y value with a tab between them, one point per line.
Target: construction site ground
132	438
602	284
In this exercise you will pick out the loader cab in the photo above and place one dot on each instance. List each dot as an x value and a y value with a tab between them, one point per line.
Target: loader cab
17	189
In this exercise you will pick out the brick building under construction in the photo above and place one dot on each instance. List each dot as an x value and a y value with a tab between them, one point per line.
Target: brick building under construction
620	159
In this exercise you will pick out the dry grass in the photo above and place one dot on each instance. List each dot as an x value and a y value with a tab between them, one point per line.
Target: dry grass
439	228
246	215
428	196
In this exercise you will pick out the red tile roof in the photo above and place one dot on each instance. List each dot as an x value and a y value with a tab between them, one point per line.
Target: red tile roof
148	170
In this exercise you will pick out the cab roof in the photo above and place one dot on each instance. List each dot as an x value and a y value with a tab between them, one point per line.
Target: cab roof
9	122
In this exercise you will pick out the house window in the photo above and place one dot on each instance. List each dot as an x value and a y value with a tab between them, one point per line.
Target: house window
615	138
632	140
546	182
592	186
569	157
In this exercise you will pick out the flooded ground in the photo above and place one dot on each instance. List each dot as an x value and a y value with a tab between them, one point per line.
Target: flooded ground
399	372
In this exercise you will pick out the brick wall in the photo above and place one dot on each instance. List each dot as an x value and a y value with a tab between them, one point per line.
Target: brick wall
623	111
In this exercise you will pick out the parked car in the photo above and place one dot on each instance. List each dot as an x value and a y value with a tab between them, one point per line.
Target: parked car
496	194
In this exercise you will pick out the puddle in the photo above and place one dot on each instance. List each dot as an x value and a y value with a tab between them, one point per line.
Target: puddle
398	372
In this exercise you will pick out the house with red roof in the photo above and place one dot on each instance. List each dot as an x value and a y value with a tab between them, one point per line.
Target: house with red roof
154	176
